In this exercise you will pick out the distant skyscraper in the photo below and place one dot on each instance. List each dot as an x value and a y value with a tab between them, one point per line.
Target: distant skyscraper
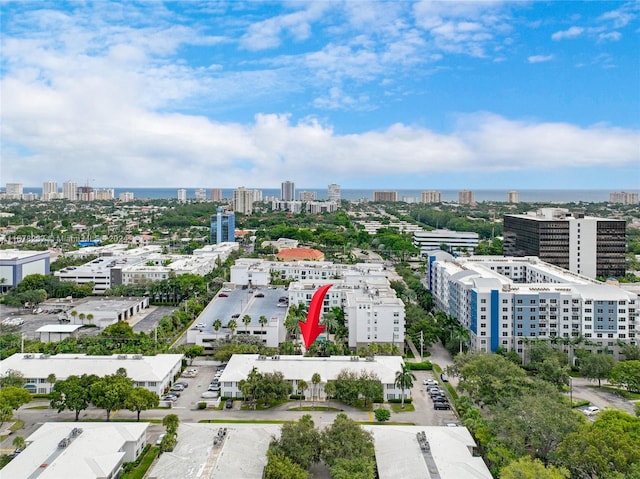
333	193
126	196
182	195
288	191
215	194
70	190
513	197
243	201
465	197
104	194
623	197
431	196
200	194
85	193
14	191
223	225
307	196
385	196
49	190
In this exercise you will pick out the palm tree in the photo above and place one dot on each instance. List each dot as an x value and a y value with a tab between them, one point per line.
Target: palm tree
302	387
316	380
232	325
217	324
461	334
246	319
330	320
74	313
90	317
263	322
404	380
291	325
82	316
330	390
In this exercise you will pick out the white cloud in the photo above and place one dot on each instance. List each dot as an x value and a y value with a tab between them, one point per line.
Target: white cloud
609	36
539	58
571	32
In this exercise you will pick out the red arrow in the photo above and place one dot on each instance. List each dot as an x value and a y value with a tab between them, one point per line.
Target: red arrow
312	328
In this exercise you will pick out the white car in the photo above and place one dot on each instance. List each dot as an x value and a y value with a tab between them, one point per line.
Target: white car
591	410
200	326
430	382
209	394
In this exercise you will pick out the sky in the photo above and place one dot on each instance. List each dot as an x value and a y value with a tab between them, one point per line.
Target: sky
366	94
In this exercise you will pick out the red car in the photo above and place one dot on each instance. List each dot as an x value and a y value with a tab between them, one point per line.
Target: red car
223	295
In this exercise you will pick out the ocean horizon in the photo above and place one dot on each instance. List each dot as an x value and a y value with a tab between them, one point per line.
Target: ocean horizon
408	195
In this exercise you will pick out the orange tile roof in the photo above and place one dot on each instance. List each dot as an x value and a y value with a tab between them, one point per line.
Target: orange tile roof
299	254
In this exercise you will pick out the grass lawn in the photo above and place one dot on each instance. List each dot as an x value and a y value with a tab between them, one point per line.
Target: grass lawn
145	463
395	407
38	407
314	408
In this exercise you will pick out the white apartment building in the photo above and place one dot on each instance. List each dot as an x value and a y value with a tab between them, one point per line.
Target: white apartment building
466	197
318	207
333	193
50	190
126	196
200	194
307	196
431	196
513	197
14	191
70	190
182	195
623	197
461	241
287	205
505	301
243	200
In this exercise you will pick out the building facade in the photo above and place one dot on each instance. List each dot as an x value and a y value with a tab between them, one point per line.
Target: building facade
16	264
70	190
50	190
333	193
385	196
223	226
508	301
623	197
215	194
243	201
182	195
288	191
430	196
14	191
466	197
454	241
591	246
308	196
513	197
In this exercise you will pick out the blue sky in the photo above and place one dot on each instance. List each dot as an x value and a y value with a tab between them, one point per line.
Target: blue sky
404	95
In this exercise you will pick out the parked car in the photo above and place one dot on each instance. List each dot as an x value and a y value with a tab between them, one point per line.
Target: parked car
223	295
177	387
444	377
209	395
235	316
259	295
591	410
430	382
441	405
170	397
200	326
183	384
228	404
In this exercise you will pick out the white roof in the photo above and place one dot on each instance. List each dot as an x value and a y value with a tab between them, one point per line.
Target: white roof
94	453
59	328
300	367
14	254
147	368
398	453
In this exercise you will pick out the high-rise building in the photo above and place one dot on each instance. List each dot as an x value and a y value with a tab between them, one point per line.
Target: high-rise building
223	225
513	197
288	191
215	194
431	196
623	197
333	193
49	190
200	194
70	190
126	196
307	196
243	201
182	195
85	193
14	191
103	194
385	196
465	197
593	247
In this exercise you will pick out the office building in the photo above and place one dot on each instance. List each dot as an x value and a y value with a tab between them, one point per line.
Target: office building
50	190
453	241
200	194
223	226
513	197
333	193
623	197
243	201
70	190
16	264
308	196
465	197
14	191
215	194
288	191
594	247
182	195
507	301
431	196
385	196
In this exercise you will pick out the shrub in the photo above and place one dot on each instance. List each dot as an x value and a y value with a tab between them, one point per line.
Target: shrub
382	414
202	405
398	401
423	366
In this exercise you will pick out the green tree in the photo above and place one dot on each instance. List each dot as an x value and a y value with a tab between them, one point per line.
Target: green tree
330	390
263	322
171	423
404	380
12	379
246	320
279	466
19	442
73	393
140	399
382	414
626	374
14	397
232	325
217	324
193	352
111	392
316	379
528	468
354	468
554	372
596	366
300	442
345	439
6	413
302	387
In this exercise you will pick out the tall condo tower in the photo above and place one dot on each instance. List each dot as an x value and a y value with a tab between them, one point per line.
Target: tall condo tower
223	225
333	193
288	191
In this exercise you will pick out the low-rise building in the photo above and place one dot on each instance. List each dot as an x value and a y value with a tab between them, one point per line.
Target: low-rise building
455	241
16	264
79	450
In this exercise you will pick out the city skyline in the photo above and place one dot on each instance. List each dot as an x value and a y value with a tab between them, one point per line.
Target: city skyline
403	95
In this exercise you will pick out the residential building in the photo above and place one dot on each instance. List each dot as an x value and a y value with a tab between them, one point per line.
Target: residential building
385	196
243	201
155	373
182	195
300	254
289	205
223	226
14	191
507	301
296	368
104	194
79	450
200	194
308	196
85	193
587	245
215	194
288	191
319	207
70	190
16	264
513	197
333	193
623	197
431	196
373	226
126	196
454	241
466	197
50	190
